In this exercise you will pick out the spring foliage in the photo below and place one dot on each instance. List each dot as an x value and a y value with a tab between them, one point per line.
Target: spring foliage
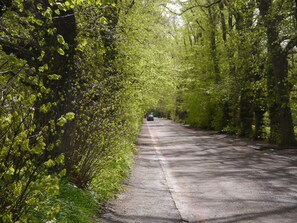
77	76
76	79
239	67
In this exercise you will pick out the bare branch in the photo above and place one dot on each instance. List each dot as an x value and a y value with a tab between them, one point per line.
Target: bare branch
15	75
2	65
129	7
63	16
14	47
192	7
7	72
199	24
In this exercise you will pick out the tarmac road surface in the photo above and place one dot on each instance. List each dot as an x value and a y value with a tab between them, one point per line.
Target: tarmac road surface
184	175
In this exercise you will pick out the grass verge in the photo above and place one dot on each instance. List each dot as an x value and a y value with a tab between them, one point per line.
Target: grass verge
76	205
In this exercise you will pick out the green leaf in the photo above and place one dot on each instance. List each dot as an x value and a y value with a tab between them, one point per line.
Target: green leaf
38	149
39	6
60	39
57	11
70	116
84	42
61	51
51	2
42	54
103	20
45	107
54	77
50	31
10	171
49	163
62	121
43	68
60	159
62	173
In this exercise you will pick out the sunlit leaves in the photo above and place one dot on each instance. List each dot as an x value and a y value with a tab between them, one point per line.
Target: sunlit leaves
61	51
147	54
43	68
62	121
103	20
60	39
65	118
51	2
80	2
45	107
54	77
70	116
102	92
23	165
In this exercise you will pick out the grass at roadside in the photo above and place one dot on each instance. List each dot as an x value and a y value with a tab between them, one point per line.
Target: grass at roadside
76	205
72	205
83	206
113	171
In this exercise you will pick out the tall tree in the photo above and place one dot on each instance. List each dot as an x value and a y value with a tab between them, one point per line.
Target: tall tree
274	14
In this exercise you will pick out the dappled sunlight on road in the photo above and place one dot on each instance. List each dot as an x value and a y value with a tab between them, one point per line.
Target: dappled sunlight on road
224	179
184	175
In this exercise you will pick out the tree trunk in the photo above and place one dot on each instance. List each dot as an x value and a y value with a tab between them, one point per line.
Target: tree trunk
281	122
245	77
260	106
259	123
246	114
213	44
61	90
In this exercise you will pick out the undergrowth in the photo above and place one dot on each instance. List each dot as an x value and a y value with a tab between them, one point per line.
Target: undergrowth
83	206
76	205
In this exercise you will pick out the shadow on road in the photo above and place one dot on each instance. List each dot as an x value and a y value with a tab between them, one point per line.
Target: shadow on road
205	177
225	179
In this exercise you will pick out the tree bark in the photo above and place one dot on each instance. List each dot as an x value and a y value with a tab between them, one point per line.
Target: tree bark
245	77
213	44
281	122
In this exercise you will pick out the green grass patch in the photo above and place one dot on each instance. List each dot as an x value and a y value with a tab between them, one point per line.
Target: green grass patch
113	170
76	205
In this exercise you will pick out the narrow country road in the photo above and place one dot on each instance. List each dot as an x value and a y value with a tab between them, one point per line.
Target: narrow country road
183	175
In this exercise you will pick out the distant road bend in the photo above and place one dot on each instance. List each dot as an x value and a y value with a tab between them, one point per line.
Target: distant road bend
183	175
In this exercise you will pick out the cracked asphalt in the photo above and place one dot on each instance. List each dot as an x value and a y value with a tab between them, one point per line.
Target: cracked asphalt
185	175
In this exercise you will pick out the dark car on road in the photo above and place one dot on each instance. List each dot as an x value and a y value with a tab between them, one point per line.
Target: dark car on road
150	117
